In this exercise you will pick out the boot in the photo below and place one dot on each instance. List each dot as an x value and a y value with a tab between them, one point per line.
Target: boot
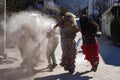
95	65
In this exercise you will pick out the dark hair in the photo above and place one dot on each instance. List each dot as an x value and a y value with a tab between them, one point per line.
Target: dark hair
88	26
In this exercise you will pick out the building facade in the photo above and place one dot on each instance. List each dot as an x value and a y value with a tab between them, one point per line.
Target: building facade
107	18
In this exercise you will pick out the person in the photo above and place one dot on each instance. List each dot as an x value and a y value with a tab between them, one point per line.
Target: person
90	45
51	47
30	55
68	32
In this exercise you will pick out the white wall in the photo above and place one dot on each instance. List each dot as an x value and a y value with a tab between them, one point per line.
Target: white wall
107	18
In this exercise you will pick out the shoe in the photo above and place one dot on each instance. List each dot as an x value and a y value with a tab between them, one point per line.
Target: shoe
49	66
65	68
54	65
72	69
94	68
61	64
64	63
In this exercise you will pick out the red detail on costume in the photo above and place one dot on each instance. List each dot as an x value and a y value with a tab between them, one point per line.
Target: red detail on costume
91	52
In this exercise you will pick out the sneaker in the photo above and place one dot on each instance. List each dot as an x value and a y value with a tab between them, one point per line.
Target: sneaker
94	68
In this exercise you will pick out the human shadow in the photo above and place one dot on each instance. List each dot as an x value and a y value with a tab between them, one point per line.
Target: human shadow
19	73
109	52
67	76
14	73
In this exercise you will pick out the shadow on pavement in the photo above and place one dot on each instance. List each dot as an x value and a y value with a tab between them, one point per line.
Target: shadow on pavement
66	76
19	73
15	73
109	52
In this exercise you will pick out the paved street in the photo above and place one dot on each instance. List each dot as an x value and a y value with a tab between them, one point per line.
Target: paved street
109	67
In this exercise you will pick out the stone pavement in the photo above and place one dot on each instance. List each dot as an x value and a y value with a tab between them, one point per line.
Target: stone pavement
108	69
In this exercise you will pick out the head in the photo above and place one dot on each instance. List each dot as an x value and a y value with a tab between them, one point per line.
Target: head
69	17
88	25
85	19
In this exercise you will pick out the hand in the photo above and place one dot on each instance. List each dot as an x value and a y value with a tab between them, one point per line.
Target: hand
98	34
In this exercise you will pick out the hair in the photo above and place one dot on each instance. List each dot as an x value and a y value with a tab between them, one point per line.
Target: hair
88	26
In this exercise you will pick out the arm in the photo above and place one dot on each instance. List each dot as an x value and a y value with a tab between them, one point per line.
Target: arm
74	29
98	33
57	25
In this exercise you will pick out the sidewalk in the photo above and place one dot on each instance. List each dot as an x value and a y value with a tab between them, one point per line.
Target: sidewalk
108	69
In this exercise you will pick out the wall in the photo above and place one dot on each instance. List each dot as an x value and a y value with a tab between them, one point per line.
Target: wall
107	17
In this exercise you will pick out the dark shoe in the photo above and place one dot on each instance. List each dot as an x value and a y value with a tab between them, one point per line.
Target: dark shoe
49	66
94	68
54	65
64	63
61	64
65	68
72	69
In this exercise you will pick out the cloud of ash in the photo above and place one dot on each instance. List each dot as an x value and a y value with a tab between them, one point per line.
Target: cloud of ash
28	30
32	34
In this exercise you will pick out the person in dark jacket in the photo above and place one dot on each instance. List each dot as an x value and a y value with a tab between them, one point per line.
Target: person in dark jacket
90	47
